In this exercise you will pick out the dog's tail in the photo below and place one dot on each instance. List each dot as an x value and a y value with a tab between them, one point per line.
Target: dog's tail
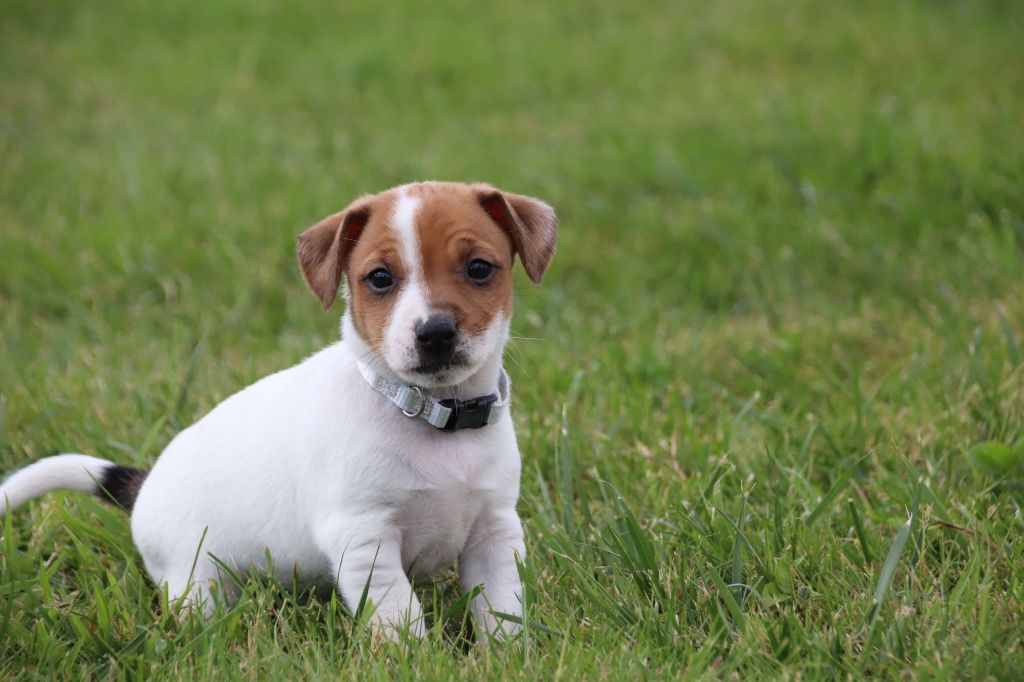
108	481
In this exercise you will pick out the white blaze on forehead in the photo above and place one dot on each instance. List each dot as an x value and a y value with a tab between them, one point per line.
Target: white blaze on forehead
411	307
403	221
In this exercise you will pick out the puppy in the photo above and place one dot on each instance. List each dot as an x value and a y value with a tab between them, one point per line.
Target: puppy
383	457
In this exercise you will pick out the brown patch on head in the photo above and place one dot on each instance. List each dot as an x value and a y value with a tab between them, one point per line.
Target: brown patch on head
378	248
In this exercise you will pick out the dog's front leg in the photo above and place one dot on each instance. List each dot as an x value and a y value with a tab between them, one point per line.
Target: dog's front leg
489	560
366	558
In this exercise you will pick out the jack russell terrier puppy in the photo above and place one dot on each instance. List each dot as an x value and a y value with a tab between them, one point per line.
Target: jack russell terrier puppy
385	456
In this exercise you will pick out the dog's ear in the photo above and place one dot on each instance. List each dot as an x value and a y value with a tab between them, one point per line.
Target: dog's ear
323	249
529	222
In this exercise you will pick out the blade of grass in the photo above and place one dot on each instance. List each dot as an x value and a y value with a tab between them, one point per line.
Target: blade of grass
533	624
737	550
566	465
150	438
833	492
186	383
750	546
738	621
859	528
892	560
1012	348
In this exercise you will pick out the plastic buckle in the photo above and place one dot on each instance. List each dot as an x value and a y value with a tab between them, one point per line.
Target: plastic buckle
468	414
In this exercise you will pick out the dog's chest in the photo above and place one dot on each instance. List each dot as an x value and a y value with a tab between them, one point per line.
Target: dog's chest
444	493
436	523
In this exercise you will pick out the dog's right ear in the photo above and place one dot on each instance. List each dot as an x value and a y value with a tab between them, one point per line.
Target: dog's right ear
323	249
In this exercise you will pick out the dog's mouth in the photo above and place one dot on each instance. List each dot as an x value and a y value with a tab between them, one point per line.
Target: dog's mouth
438	373
456	361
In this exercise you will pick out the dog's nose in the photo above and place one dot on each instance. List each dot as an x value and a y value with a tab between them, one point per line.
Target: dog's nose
435	337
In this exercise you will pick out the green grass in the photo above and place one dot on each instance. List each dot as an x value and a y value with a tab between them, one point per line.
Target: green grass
788	298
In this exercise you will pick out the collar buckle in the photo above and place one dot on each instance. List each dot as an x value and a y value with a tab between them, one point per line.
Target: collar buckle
468	414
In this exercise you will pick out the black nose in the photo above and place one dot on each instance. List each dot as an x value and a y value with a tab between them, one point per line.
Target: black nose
435	338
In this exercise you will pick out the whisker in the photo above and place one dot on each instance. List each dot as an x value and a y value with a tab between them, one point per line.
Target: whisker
520	366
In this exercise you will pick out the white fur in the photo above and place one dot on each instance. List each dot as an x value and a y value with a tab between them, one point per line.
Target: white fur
314	466
399	345
63	472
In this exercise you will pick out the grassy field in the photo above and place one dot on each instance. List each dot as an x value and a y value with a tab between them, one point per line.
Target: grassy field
788	299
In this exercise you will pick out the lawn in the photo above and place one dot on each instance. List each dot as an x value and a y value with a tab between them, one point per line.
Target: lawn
788	301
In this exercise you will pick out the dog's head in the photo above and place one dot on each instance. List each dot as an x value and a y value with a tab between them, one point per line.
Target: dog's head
429	272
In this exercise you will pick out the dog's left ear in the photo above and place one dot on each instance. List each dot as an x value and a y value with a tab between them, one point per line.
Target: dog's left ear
530	223
323	249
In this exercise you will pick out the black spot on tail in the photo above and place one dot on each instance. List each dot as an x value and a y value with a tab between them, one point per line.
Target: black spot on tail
120	485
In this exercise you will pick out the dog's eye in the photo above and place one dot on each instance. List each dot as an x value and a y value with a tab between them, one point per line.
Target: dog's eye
479	271
380	281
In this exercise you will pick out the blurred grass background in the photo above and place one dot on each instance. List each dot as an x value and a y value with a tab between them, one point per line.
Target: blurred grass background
788	298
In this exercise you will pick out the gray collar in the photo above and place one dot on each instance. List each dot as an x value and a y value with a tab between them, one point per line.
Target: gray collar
450	414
